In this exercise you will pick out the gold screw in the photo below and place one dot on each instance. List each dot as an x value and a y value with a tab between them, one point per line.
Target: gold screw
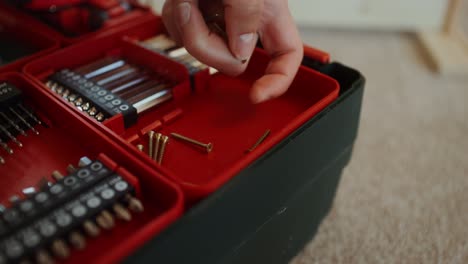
150	143
165	139
140	147
157	139
259	141
208	146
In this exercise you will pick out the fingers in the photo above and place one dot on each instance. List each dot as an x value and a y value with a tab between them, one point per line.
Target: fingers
281	40
185	23
169	22
243	19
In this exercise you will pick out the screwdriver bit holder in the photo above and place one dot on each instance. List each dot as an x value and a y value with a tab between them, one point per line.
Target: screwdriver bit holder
48	216
91	98
121	83
16	119
37	222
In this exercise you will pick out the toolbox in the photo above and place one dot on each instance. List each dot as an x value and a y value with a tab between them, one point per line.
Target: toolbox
253	189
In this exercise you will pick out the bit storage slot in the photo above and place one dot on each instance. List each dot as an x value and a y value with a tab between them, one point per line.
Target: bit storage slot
63	142
87	82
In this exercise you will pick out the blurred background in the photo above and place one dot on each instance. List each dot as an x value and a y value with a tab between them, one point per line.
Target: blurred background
404	197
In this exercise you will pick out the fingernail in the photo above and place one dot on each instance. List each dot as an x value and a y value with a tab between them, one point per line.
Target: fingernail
260	98
245	46
183	10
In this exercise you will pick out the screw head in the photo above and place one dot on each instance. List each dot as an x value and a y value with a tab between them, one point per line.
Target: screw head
209	147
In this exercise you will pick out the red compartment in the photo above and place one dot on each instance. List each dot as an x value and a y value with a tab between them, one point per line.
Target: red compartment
125	22
18	27
222	114
124	48
64	142
218	111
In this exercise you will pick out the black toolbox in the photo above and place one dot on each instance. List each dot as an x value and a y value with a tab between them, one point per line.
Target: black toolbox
268	212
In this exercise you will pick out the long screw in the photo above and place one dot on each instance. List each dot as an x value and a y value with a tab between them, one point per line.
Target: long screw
164	139
207	146
157	143
140	147
150	143
259	141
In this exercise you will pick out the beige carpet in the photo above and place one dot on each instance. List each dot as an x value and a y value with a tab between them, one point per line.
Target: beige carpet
404	197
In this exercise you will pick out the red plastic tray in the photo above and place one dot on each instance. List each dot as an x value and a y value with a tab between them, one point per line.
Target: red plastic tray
19	27
68	138
218	111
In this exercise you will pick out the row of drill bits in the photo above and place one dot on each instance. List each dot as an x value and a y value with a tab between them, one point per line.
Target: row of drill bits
164	45
15	118
111	86
57	216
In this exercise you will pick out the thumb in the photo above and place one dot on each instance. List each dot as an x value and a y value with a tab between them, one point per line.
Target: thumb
242	24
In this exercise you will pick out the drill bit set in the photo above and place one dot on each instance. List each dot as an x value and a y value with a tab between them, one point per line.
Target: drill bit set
109	87
15	119
165	46
47	223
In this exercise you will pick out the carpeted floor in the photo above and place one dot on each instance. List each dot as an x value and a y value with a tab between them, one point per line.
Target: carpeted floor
404	197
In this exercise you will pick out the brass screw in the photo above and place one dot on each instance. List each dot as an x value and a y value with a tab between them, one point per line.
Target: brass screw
157	139
208	146
165	139
150	143
140	147
259	141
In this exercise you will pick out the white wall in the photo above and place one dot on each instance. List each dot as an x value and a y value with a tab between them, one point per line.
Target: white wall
386	14
413	15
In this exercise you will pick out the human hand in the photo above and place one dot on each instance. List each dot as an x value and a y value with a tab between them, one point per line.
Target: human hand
245	21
